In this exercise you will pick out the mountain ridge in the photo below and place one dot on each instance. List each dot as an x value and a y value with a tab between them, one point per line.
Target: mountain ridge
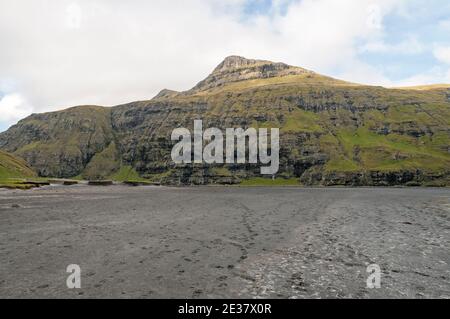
332	132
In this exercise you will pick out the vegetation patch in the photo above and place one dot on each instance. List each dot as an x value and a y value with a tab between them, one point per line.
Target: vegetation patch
14	171
261	181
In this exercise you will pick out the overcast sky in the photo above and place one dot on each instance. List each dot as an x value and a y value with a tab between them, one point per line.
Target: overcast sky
57	53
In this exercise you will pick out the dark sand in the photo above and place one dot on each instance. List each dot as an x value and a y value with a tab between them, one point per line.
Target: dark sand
221	242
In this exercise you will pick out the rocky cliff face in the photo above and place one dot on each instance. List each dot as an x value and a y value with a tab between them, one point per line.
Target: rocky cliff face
60	144
332	132
236	69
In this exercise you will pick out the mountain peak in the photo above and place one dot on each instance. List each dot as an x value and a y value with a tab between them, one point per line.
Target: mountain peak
166	93
236	62
236	68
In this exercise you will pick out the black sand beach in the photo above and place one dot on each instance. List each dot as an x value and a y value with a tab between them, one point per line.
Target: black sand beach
205	242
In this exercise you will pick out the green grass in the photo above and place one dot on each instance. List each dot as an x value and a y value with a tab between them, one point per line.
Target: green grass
366	150
14	171
341	165
127	173
302	121
12	166
306	79
261	181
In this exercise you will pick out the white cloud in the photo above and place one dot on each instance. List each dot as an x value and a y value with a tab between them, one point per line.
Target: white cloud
436	75
74	16
13	107
374	17
410	45
442	54
64	52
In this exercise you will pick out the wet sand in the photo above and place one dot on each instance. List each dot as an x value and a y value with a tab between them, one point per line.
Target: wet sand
220	242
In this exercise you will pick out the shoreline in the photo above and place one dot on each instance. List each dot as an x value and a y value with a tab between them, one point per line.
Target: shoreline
118	184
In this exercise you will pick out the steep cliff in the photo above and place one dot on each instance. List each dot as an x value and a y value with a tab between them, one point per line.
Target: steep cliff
60	144
332	132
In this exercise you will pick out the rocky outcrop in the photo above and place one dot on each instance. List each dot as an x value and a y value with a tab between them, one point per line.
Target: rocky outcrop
165	94
236	68
377	178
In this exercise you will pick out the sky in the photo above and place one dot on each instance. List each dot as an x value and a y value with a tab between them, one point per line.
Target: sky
60	53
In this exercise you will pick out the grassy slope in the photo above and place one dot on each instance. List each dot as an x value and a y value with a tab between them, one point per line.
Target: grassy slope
127	174
13	170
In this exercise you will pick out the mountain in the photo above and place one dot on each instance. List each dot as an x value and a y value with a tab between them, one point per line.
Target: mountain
60	143
332	132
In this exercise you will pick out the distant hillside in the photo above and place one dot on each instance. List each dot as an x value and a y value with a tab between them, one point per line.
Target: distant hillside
61	143
12	167
332	132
